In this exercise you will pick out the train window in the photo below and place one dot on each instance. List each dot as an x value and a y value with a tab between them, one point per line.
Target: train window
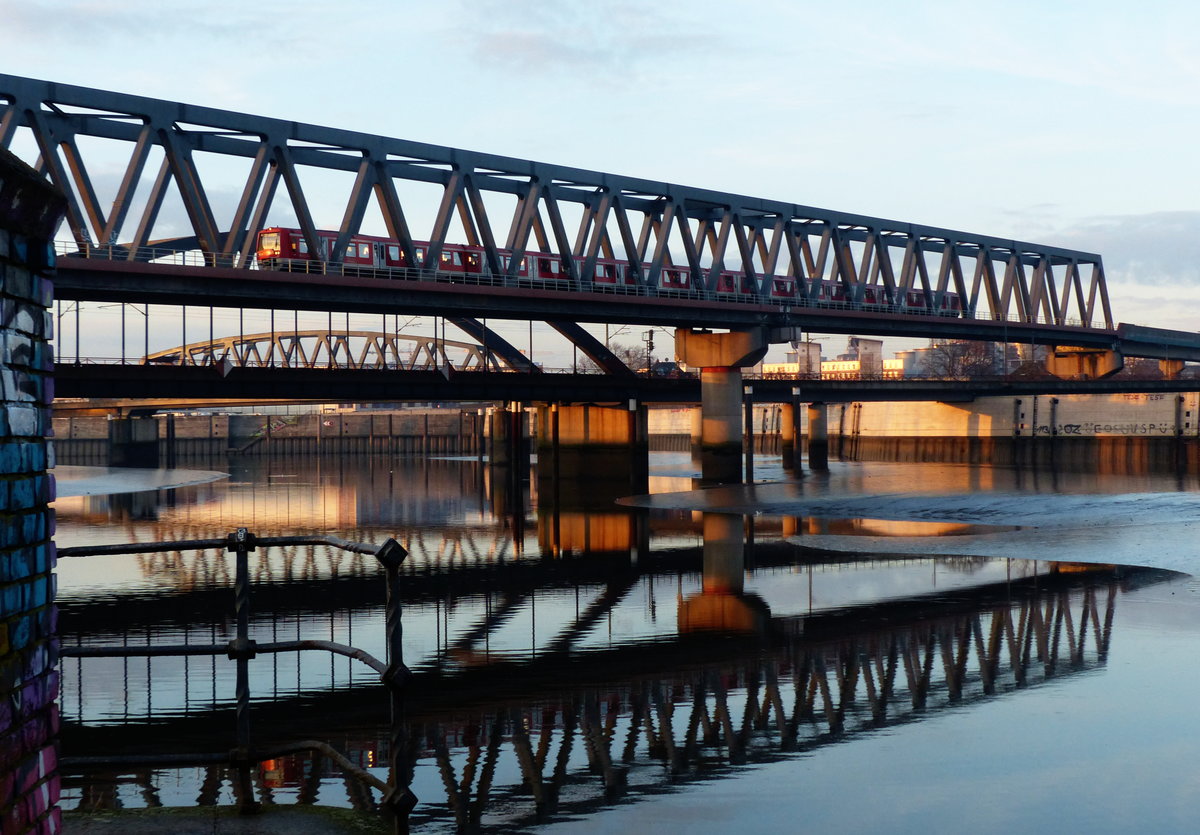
269	241
546	265
300	246
473	261
446	258
420	255
364	250
393	252
457	259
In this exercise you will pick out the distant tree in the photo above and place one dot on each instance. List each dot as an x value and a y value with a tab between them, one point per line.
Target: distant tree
637	357
962	358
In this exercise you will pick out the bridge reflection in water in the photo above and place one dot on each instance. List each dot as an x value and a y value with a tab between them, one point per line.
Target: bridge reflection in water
532	694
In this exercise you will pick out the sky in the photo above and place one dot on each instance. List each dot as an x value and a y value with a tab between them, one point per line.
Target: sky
1068	124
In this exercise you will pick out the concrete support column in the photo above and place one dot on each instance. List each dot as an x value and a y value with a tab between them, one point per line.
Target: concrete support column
720	358
721	424
500	440
791	435
818	437
1071	363
134	441
595	454
168	456
1170	368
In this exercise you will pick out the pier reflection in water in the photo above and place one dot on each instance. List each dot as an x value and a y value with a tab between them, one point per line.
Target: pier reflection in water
560	668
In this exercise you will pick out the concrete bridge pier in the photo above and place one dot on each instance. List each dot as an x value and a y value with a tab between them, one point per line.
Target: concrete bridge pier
791	443
505	429
720	358
818	437
1072	363
134	441
598	452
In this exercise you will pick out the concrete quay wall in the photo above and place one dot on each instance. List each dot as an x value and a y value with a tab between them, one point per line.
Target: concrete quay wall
182	438
1122	432
1155	430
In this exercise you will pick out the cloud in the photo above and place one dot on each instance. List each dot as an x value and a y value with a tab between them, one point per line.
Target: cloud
139	25
1159	248
566	37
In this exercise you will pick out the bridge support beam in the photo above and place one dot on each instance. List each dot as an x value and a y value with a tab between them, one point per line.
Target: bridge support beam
720	358
1070	363
818	437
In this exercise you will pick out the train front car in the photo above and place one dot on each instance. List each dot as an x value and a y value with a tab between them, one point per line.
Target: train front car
283	249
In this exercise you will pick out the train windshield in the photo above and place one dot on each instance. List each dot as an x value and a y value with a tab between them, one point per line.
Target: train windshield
269	240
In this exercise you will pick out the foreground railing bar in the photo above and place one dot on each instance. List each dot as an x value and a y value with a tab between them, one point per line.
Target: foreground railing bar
234	757
201	544
231	649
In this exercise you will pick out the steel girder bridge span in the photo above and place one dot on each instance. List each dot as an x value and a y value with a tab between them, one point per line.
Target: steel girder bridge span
686	256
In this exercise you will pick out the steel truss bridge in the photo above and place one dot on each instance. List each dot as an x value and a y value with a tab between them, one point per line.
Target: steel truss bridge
639	720
349	349
124	250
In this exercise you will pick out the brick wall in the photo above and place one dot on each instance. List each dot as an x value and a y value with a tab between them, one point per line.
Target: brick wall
29	785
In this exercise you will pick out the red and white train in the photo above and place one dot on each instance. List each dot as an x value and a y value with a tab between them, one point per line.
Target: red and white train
286	249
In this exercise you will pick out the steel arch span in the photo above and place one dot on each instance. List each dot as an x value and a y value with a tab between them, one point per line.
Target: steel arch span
353	349
666	235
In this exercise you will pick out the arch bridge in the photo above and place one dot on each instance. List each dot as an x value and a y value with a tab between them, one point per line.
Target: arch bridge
350	349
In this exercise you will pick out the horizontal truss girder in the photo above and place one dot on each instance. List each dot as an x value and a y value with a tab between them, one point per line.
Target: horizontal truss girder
652	225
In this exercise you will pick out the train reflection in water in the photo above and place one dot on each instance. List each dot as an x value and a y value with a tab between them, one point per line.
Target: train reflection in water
546	687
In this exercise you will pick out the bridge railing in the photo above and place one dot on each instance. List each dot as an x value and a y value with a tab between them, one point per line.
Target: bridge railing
198	258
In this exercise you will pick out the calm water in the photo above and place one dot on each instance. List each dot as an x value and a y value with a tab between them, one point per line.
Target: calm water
885	648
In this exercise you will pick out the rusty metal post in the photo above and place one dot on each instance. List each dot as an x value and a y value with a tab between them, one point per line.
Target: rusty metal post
399	800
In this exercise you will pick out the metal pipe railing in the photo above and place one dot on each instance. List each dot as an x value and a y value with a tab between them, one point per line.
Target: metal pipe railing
397	798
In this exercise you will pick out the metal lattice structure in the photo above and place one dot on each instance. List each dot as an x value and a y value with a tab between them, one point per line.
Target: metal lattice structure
578	215
588	741
352	349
